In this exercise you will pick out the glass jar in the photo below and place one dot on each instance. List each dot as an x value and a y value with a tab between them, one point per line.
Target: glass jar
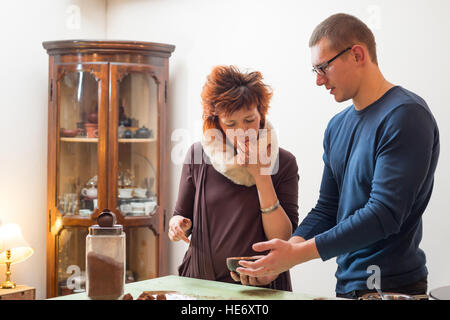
105	259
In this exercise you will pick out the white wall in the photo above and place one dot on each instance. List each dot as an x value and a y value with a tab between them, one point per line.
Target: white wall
24	26
272	36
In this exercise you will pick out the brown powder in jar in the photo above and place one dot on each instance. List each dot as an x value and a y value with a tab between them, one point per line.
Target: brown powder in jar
105	276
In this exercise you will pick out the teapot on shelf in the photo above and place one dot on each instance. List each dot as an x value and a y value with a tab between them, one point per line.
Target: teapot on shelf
143	132
90	193
90	190
92	116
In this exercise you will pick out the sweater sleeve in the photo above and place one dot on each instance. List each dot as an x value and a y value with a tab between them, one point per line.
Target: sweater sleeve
186	190
287	191
403	157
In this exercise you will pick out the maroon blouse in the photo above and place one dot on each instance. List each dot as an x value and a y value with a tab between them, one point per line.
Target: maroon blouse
226	217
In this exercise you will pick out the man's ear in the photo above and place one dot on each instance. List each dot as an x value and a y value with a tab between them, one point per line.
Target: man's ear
359	53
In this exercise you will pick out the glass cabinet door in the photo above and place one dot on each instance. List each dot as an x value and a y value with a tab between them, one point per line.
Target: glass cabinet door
79	128
136	125
80	157
78	146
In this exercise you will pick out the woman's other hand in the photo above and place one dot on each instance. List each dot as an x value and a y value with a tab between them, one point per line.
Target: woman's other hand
253	281
178	226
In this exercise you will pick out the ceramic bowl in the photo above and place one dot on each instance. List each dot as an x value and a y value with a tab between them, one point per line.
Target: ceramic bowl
69	133
233	262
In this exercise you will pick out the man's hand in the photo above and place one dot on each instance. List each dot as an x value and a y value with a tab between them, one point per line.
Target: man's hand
283	255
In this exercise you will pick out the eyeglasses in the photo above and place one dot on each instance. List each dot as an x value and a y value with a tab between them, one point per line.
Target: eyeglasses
321	68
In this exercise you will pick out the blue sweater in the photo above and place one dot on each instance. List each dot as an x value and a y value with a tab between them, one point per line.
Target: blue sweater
378	174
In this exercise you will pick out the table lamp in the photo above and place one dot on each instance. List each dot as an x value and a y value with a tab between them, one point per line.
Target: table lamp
13	249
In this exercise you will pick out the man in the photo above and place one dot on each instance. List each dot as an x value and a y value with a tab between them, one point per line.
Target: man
379	157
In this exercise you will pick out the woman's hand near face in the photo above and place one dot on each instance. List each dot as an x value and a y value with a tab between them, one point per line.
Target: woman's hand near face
249	160
178	225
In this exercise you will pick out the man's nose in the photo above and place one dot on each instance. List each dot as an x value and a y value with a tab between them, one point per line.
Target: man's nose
321	80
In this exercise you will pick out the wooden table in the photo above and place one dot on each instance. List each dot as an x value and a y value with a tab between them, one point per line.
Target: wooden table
18	293
203	290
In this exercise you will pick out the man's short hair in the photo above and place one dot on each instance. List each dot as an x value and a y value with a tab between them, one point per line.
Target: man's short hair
344	30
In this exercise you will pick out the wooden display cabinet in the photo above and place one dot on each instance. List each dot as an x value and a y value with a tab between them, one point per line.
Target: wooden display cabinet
107	149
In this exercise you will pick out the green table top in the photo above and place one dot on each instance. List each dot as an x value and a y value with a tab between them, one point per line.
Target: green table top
202	290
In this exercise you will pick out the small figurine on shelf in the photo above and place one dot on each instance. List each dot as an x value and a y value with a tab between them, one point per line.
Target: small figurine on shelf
121	131
81	129
122	115
69	204
125	179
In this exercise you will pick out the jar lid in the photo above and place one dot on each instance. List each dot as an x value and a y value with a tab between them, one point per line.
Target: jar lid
96	230
106	225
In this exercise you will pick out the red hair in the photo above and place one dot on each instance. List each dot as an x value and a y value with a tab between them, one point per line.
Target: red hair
227	90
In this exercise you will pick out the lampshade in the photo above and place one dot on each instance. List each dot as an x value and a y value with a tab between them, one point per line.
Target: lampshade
11	239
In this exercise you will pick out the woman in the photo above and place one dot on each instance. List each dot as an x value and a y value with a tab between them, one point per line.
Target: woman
237	186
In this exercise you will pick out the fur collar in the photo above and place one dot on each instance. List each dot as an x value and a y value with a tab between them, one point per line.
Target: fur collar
225	161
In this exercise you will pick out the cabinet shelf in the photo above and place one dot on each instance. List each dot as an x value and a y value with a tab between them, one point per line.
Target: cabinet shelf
76	221
130	221
95	140
137	140
89	140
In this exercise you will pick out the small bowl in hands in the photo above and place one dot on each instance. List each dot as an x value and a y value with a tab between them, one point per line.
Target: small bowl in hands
233	262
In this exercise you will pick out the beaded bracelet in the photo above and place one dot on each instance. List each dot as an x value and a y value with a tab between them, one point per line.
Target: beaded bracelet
272	208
